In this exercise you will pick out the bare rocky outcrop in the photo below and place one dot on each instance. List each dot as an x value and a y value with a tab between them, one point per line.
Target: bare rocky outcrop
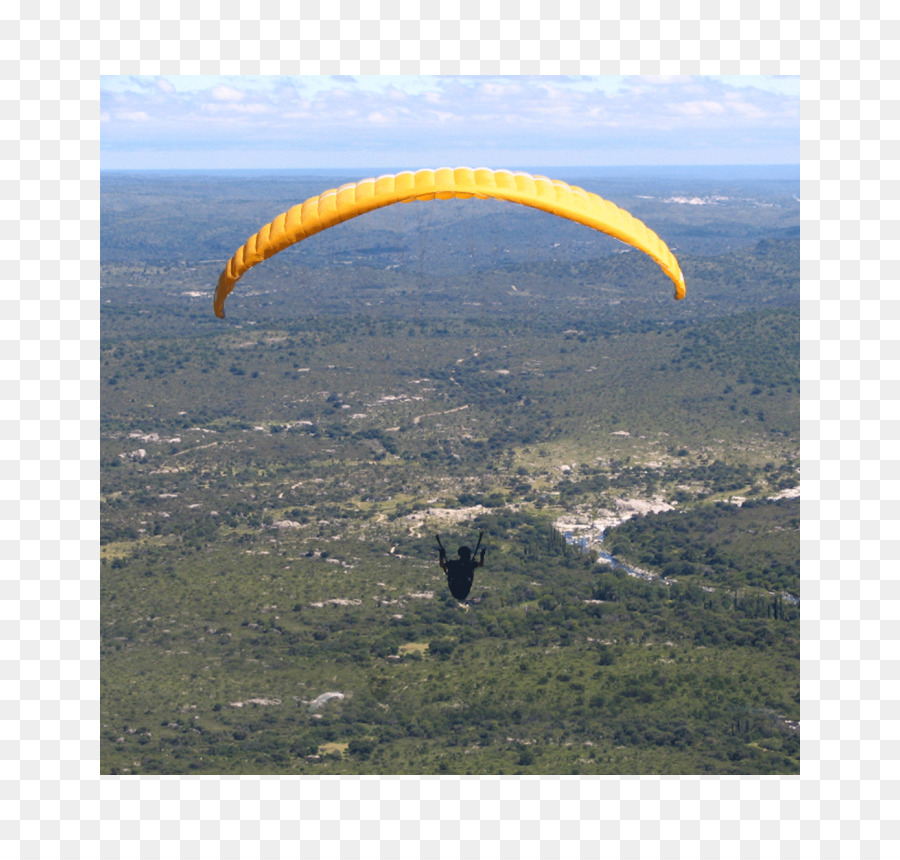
317	703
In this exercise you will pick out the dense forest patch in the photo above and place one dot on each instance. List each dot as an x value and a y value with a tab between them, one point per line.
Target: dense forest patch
755	544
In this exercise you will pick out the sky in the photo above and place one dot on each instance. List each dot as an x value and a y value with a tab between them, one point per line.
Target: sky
325	122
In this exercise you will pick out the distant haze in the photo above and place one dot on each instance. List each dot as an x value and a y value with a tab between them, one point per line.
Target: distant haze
713	172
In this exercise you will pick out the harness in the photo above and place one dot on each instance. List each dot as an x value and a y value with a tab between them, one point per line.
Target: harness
460	572
459	577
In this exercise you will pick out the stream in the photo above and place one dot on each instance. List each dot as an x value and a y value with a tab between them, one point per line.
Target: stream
584	544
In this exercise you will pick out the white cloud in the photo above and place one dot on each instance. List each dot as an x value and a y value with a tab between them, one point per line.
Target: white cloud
230	108
699	108
584	119
227	94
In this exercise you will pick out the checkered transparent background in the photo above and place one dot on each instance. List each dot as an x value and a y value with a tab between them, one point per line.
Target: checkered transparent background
53	802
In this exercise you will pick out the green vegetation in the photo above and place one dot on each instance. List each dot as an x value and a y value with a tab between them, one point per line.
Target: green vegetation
212	665
271	487
755	544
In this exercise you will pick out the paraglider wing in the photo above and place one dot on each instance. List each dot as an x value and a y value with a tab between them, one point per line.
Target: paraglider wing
340	204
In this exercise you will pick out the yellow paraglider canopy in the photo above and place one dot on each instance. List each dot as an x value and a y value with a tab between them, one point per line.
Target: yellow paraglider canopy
340	204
